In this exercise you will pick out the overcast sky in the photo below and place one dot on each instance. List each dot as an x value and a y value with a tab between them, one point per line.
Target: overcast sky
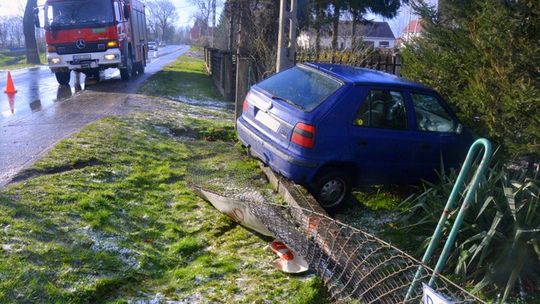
186	12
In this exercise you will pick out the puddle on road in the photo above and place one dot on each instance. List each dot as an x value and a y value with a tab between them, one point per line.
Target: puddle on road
37	89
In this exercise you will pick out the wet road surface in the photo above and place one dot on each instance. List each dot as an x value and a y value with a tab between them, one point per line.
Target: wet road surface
42	112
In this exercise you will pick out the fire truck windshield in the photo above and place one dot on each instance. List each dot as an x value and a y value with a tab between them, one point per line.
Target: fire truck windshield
69	14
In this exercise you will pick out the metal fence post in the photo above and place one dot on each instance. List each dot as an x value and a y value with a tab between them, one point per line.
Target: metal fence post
242	86
458	186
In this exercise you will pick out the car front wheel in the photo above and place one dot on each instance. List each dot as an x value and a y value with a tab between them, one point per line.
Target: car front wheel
332	189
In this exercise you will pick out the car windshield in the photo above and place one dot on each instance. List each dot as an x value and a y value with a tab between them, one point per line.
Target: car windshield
301	86
81	12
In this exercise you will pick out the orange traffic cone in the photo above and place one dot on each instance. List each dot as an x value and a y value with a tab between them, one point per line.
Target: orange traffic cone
10	88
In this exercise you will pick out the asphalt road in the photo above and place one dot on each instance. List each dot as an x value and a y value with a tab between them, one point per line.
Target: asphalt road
42	112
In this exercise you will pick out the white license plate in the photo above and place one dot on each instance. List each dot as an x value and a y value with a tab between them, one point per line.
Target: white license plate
267	120
81	57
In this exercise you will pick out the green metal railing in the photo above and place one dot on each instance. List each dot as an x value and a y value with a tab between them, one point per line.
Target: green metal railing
450	204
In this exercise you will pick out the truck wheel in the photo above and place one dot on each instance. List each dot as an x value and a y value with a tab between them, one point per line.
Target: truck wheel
136	69
127	72
63	78
141	67
332	189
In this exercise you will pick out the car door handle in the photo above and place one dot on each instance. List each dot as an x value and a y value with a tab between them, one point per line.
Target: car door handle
362	142
425	146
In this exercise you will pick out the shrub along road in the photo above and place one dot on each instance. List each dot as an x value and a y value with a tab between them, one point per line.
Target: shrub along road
107	215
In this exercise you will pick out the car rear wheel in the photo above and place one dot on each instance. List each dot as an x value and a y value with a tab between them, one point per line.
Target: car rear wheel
332	189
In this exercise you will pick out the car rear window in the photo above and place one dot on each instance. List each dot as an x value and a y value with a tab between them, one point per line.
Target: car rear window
300	86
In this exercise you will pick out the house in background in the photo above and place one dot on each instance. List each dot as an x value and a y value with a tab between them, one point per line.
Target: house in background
412	30
374	33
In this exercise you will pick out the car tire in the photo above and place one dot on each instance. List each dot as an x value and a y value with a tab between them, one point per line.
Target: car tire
332	189
63	78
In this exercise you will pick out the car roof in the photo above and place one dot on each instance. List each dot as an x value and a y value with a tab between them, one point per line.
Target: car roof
358	75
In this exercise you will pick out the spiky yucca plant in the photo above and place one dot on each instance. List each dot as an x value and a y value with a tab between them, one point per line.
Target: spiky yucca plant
498	247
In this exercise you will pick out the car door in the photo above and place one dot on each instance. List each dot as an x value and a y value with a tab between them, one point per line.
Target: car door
380	137
438	133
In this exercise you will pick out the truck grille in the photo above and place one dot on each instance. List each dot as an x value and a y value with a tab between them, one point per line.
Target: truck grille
90	47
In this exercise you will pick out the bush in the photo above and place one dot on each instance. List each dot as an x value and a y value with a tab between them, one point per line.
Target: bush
483	56
498	246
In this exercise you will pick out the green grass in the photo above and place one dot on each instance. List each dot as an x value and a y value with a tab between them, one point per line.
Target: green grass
184	79
108	216
125	224
376	210
17	62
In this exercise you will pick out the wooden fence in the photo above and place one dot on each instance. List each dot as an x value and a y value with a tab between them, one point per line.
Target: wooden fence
221	65
386	62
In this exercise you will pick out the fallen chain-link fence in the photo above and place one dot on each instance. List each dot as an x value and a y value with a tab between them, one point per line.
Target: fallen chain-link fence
353	264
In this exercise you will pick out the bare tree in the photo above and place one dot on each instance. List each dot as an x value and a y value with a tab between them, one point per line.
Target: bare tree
15	31
162	12
205	9
3	32
32	54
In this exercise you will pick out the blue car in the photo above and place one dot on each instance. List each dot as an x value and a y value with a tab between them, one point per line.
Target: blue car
332	127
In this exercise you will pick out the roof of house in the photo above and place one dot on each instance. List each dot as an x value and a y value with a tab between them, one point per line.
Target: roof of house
364	76
414	27
374	29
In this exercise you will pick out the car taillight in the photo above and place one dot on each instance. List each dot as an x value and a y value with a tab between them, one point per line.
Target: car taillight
51	48
304	135
245	106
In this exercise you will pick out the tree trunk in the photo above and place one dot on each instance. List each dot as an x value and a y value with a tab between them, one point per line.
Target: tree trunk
335	26
318	41
353	32
32	54
318	25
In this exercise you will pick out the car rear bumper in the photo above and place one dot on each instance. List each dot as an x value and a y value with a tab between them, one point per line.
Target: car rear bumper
296	168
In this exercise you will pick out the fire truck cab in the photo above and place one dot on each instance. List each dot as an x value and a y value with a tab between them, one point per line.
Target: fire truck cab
93	35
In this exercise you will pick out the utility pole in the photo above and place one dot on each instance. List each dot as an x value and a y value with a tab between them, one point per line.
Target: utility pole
242	63
287	35
231	9
213	23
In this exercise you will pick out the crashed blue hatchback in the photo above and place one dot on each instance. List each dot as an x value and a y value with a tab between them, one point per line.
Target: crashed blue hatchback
331	127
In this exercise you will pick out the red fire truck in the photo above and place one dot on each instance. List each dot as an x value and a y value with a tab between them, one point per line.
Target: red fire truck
92	35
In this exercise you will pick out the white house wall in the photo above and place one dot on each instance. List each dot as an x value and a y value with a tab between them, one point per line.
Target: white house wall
307	41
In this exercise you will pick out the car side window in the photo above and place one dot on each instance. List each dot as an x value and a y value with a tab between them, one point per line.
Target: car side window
431	115
382	109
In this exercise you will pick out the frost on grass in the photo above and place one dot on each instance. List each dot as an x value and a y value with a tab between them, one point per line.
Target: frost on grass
207	103
161	299
110	244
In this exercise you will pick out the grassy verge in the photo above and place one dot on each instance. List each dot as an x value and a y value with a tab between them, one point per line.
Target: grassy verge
107	216
16	62
183	80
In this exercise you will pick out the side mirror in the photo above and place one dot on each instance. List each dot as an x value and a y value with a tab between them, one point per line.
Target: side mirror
126	11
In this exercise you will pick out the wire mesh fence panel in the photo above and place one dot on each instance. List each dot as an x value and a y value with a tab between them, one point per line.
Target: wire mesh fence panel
353	264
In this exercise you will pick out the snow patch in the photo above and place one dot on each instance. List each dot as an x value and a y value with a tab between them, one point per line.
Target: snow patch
160	299
102	242
212	104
